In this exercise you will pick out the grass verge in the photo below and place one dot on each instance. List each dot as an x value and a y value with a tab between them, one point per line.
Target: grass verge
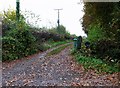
96	64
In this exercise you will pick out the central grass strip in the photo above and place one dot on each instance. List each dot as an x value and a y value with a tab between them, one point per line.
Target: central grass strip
50	44
53	44
57	50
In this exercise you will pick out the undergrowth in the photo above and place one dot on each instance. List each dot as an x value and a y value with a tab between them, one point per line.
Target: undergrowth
95	63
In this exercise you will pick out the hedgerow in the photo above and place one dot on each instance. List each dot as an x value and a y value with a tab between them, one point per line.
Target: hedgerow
19	39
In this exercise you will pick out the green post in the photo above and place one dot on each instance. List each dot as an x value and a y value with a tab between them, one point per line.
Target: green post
75	43
79	41
17	9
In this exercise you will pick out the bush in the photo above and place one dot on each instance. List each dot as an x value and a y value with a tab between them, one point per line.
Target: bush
9	22
106	49
17	40
113	55
8	48
95	33
17	44
43	36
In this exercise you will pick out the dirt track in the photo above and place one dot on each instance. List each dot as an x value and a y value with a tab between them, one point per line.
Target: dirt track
55	70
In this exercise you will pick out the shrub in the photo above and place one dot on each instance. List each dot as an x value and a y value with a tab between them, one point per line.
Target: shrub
107	49
9	22
17	44
113	55
17	40
43	36
8	48
95	33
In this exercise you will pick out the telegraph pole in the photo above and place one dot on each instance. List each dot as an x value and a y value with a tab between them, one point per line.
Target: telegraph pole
17	9
58	21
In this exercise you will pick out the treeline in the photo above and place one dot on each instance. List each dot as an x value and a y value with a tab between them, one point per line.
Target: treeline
19	39
101	22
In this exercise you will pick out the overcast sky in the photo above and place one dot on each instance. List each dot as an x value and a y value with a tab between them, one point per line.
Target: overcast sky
69	16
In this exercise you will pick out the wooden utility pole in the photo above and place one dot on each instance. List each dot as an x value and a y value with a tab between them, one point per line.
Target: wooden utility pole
58	21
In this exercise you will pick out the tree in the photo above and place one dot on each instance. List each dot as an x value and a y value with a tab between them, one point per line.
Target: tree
101	23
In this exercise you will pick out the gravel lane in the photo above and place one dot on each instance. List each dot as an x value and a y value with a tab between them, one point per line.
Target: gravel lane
55	70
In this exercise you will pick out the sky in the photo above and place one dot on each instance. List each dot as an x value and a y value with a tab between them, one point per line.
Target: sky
70	14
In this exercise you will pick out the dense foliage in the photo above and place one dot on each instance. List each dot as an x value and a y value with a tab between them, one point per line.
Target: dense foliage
46	34
20	39
17	40
101	22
